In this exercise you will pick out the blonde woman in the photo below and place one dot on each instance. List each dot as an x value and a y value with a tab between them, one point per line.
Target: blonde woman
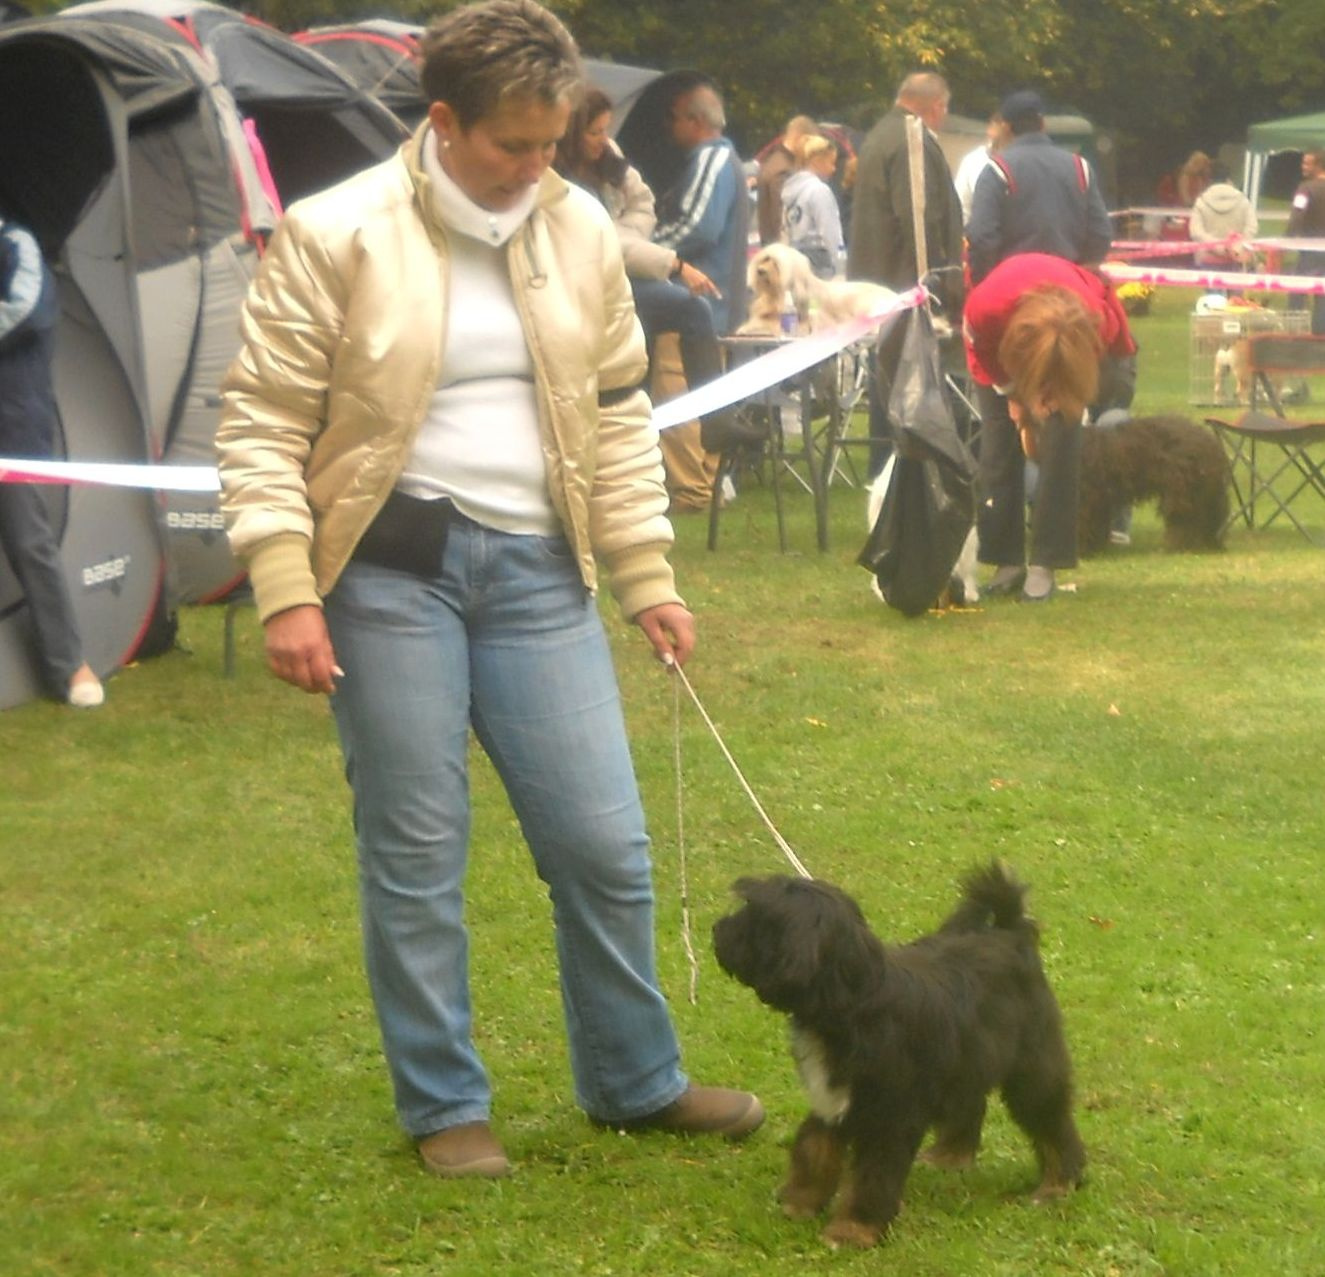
811	218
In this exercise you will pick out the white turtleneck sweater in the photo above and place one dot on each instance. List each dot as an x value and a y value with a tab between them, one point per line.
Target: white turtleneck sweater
479	443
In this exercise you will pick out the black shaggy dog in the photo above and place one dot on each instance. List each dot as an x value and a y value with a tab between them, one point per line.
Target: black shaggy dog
1168	459
893	1040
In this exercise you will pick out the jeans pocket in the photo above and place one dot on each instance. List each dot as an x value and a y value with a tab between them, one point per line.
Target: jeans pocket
557	549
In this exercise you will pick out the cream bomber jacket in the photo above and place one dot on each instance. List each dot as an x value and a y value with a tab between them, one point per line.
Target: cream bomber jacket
342	339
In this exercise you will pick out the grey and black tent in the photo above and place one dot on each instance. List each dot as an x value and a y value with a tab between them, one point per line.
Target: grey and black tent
71	95
132	142
281	122
381	56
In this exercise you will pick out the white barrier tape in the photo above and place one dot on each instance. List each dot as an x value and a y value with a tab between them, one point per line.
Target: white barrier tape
112	474
1209	279
777	365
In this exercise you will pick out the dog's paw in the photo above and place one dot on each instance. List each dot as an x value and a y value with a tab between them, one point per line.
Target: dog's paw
947	1159
1053	1191
800	1203
851	1232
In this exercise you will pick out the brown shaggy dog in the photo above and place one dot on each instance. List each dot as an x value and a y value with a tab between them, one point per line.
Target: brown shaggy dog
1169	459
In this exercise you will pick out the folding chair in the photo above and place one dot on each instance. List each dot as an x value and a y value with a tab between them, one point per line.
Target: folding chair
1272	459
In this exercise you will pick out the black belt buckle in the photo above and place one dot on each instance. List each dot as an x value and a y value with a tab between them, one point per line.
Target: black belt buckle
408	534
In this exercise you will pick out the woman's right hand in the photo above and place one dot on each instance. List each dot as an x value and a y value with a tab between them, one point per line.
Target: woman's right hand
299	649
696	281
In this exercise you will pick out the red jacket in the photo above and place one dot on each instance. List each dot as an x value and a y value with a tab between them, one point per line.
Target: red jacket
990	303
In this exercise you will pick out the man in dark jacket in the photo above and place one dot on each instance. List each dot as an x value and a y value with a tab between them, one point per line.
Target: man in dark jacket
883	236
1306	220
1035	198
883	239
28	416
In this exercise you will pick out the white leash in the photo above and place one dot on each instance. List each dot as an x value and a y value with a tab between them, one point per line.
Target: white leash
782	843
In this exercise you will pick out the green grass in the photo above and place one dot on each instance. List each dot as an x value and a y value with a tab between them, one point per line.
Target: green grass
189	1072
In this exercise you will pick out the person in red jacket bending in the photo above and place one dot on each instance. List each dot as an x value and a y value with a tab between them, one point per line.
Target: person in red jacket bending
1045	339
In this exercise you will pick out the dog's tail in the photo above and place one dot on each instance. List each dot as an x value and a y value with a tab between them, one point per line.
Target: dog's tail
992	898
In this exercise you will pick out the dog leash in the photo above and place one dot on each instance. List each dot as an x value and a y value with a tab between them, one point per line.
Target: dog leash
784	846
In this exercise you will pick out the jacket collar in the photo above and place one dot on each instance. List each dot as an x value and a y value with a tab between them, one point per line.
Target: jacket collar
550	189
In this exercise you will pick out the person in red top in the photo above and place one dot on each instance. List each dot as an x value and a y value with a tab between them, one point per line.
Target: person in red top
1045	340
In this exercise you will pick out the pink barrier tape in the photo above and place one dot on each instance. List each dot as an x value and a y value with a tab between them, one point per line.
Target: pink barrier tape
777	365
1213	279
111	474
1139	248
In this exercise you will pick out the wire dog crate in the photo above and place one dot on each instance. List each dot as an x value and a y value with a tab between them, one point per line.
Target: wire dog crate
1213	372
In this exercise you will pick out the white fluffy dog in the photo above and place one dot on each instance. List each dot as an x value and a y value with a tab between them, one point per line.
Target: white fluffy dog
963	582
820	303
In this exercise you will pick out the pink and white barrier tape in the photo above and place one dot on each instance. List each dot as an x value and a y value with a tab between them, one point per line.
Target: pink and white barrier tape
111	474
1212	279
777	365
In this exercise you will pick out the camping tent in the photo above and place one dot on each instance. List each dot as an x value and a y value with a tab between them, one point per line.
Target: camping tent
268	122
70	95
125	151
380	55
1293	133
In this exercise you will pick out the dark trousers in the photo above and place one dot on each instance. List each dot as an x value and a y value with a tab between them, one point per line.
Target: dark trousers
30	545
1311	264
1001	516
664	307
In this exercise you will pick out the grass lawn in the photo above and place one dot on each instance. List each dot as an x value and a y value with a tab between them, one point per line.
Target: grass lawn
190	1080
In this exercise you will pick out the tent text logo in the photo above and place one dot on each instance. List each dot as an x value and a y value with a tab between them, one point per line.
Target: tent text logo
108	574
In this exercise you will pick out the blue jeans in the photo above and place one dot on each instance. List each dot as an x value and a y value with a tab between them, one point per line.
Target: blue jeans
504	638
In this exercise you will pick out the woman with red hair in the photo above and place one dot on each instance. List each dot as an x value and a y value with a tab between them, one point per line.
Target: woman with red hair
1045	340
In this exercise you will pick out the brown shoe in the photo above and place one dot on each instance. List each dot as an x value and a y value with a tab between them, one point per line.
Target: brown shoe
707	1110
469	1149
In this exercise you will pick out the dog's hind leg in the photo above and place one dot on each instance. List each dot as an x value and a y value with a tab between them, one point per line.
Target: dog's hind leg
1039	1098
816	1168
957	1138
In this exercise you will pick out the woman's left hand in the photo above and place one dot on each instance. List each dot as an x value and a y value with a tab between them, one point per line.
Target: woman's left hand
670	628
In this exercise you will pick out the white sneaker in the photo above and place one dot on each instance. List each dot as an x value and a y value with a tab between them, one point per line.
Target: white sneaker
1117	537
87	694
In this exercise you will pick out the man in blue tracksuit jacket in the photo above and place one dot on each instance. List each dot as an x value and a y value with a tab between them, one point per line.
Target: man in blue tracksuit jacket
703	217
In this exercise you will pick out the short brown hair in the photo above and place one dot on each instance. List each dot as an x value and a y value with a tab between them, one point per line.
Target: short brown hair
479	55
1051	348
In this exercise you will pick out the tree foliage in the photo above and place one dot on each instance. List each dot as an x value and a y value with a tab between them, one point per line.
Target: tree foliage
1165	75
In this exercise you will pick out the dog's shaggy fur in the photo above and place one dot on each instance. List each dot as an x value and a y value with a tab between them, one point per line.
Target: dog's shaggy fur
820	303
891	1041
1169	459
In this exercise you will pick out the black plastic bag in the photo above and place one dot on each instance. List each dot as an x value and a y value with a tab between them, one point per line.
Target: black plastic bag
929	505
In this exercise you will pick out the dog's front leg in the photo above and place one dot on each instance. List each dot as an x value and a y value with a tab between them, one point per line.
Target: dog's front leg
816	1168
872	1197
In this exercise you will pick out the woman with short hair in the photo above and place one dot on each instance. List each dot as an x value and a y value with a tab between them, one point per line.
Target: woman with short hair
431	436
